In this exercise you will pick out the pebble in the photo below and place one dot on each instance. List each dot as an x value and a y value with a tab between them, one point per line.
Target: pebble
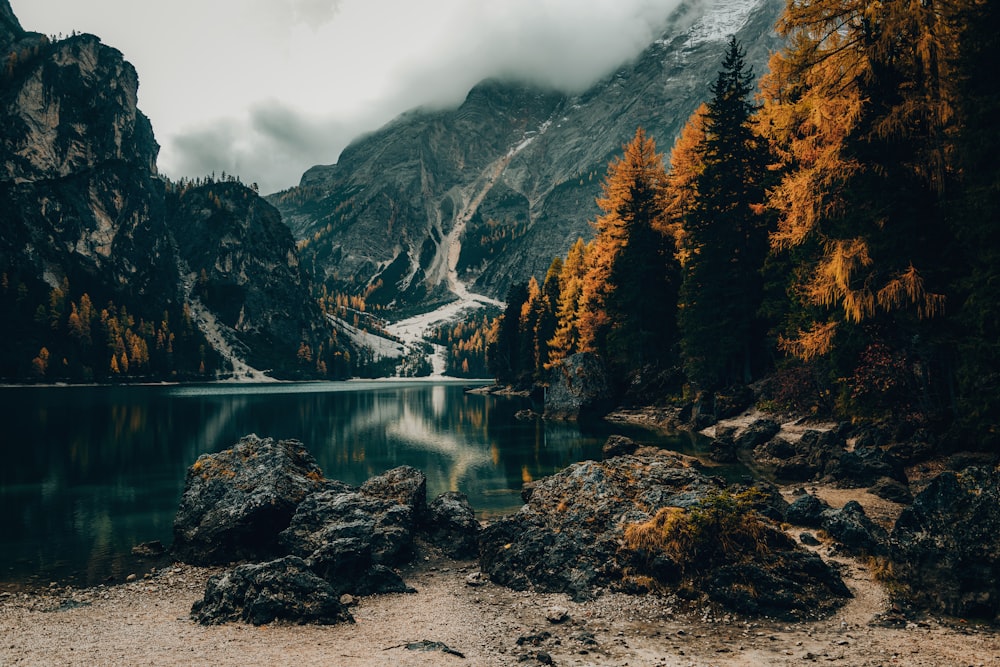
557	614
475	579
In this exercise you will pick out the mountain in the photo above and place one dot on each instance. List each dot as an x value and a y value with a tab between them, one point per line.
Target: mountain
488	193
96	248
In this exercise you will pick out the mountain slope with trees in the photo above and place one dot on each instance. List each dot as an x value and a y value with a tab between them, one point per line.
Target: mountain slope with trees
95	245
830	233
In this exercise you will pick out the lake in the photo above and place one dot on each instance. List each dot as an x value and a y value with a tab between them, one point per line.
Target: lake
89	472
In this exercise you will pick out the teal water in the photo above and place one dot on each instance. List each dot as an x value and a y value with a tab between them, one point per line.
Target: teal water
89	472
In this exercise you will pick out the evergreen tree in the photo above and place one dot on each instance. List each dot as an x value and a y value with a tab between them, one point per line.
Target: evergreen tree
976	215
724	235
566	338
628	296
858	105
504	349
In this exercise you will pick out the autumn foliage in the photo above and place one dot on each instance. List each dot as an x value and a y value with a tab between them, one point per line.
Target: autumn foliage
842	219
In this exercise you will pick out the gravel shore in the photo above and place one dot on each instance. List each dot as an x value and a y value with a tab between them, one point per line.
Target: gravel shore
449	622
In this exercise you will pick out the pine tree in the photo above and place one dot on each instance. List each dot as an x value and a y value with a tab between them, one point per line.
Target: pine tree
856	105
976	215
724	234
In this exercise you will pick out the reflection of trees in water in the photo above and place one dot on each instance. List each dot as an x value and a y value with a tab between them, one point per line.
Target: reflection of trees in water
91	472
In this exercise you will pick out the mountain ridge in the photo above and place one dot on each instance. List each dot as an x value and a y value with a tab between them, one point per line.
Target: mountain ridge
95	244
379	230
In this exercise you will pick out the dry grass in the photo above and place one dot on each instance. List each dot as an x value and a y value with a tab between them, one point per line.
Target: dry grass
722	528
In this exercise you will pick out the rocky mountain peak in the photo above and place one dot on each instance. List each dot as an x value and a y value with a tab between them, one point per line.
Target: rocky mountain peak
96	249
10	27
489	192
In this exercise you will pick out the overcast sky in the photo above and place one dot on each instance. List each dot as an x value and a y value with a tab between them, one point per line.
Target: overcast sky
268	88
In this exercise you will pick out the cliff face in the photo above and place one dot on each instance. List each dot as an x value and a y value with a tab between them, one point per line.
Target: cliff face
85	213
495	189
77	174
238	260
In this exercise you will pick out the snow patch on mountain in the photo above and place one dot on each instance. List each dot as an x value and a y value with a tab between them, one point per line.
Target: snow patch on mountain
722	18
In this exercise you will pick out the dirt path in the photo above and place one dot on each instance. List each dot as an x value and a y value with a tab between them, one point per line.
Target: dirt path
145	623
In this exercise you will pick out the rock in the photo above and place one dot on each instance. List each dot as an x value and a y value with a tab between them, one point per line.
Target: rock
757	433
284	589
404	485
776	448
892	490
348	600
476	579
149	549
809	540
796	469
786	583
557	615
428	645
769	502
130	578
852	528
350	539
452	527
236	502
566	538
945	547
722	451
806	510
570	538
578	388
618	445
864	467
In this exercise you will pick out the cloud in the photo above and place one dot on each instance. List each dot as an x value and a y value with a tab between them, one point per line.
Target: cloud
349	66
272	146
314	12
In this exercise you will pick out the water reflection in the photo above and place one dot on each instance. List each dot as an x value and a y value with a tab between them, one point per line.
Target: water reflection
90	472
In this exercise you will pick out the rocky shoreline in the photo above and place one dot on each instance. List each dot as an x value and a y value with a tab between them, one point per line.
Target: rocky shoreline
642	558
147	622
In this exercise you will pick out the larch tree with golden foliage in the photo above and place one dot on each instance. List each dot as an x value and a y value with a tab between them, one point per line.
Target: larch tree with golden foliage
566	339
858	106
628	296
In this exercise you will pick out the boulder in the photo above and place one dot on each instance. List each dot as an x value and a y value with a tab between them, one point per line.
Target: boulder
284	589
236	502
788	583
892	490
570	538
757	433
863	467
566	537
796	469
578	388
945	547
806	510
852	528
352	540
404	485
618	445
849	525
452	527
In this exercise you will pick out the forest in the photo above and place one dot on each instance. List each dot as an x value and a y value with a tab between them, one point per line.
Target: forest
828	233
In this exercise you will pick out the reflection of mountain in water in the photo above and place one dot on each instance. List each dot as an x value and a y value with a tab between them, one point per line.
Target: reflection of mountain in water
90	472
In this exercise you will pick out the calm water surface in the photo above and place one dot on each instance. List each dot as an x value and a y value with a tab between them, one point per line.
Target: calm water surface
89	472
